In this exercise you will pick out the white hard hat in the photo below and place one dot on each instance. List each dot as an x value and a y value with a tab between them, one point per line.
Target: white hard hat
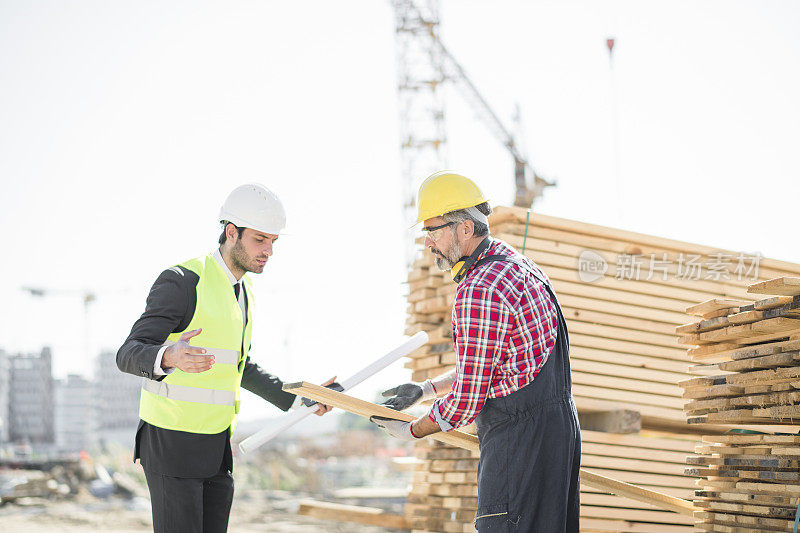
254	206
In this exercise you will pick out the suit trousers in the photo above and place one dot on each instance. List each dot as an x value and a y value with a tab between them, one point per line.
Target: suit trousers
190	505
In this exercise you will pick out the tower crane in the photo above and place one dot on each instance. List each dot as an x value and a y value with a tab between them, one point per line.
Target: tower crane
424	64
87	297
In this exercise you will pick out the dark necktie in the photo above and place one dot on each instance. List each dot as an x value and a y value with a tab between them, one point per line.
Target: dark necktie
236	287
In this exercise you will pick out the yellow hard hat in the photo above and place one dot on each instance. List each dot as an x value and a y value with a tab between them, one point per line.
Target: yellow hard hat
446	191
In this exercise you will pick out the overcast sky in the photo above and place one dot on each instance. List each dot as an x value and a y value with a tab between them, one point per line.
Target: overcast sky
123	126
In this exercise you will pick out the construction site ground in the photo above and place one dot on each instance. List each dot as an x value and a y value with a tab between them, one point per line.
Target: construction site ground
252	512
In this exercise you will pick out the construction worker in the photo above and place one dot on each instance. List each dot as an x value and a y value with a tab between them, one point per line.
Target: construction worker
191	345
512	374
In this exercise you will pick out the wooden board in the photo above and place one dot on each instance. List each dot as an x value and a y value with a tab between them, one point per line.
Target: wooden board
350	513
785	286
368	409
470	442
538	220
714	304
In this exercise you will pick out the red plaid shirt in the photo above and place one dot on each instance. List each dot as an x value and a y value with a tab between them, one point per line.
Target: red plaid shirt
504	328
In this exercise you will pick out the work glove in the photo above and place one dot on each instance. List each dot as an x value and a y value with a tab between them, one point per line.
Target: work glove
408	394
394	428
333	386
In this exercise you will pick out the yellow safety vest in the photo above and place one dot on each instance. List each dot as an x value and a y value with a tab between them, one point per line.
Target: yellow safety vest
205	402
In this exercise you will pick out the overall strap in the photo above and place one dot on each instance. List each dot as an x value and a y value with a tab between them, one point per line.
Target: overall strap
516	261
562	337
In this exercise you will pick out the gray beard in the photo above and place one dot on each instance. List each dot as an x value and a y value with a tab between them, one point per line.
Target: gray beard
449	258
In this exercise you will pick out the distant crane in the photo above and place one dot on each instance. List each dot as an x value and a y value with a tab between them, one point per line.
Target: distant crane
88	297
424	64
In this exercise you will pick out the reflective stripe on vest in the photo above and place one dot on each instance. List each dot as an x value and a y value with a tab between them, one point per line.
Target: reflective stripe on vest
221	355
190	394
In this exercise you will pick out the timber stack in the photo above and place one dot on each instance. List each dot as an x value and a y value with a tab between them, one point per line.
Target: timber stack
749	481
623	295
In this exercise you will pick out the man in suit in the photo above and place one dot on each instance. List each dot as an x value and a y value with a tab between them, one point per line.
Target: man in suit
191	345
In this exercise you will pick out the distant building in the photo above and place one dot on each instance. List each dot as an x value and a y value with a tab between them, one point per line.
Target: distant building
31	398
5	395
118	394
76	411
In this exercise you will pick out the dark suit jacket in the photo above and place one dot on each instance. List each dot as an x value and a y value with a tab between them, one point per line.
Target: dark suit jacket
170	307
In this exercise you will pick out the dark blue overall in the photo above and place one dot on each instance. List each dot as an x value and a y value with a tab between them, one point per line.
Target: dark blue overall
530	442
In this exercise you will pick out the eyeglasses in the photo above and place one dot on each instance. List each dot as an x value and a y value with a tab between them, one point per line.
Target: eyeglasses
436	233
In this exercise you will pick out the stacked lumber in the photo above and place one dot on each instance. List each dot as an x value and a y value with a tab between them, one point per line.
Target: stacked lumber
624	357
603	455
623	346
755	350
444	492
651	460
749	482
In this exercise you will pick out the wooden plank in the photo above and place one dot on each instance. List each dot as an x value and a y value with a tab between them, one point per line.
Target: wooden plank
632	397
764	362
745	520
703	325
713	353
368	409
625	334
620	488
765	377
772	302
626	366
616	294
746	317
723	313
714	304
779	413
538	220
616	421
652	416
747	440
565	256
580	302
605	525
784	286
648	439
634	515
371	516
748	333
606	319
755	499
741	508
674	298
670	390
665	367
634	452
764	349
470	442
635	348
633	465
602	245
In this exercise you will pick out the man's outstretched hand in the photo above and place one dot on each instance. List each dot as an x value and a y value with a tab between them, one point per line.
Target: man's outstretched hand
322	409
186	357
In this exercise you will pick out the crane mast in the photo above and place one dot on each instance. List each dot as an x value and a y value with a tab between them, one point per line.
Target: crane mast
424	64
